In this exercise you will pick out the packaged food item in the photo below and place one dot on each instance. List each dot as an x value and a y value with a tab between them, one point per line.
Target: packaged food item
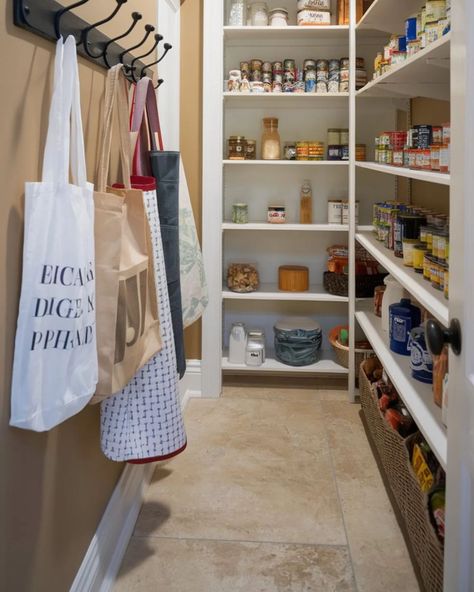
236	148
242	277
313	17
240	213
422	470
438	511
271	147
276	215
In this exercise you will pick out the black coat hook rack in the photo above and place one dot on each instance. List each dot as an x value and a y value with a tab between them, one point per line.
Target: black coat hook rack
47	18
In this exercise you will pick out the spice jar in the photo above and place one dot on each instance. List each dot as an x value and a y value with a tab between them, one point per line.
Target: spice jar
237	13
302	151
271	147
290	151
259	14
240	213
278	17
237	148
250	150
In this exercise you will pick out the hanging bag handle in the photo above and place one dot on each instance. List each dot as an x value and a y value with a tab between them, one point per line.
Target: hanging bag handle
65	141
145	104
116	102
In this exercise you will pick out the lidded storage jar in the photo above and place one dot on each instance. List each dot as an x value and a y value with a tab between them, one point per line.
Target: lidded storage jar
237	13
278	17
271	144
297	341
258	14
242	278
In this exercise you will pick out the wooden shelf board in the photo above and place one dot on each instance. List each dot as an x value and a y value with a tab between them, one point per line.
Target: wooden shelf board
433	300
265	226
417	396
428	176
326	365
270	291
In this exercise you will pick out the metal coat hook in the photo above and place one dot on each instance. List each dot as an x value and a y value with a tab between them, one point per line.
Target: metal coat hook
160	82
136	16
87	30
149	29
60	13
167	47
158	38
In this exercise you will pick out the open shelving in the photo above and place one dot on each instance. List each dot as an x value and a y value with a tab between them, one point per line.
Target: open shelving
326	365
291	33
418	175
418	397
269	291
280	163
388	16
265	226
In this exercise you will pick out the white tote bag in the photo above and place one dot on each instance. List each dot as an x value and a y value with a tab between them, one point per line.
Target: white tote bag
55	365
194	292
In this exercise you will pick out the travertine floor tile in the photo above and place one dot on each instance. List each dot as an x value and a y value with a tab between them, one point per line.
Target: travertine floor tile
169	565
255	470
379	554
271	394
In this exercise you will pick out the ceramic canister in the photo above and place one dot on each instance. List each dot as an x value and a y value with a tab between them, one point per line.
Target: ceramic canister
421	362
404	317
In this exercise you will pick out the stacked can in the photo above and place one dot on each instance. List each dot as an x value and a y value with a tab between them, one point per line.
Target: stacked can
334	76
256	70
300	84
310	76
277	68
267	76
322	76
289	75
344	75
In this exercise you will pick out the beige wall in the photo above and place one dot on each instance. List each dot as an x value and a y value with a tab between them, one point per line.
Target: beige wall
191	125
53	487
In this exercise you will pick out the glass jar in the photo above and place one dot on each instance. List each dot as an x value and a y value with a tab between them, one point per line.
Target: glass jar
271	146
237	13
278	17
259	14
240	213
251	150
236	148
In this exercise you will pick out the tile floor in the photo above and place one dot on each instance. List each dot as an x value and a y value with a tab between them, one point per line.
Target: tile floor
278	491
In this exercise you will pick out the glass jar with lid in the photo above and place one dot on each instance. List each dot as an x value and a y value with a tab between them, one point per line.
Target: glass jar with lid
237	146
237	13
271	144
259	14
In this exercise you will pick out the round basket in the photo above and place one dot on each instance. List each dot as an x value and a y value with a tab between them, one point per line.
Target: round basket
363	349
337	284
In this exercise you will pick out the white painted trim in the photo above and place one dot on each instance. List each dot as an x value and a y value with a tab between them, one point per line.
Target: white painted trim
104	556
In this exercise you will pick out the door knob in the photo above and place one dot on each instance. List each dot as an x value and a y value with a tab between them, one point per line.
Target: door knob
437	336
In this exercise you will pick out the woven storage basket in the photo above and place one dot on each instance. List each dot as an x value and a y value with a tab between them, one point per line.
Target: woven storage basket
395	456
362	352
337	284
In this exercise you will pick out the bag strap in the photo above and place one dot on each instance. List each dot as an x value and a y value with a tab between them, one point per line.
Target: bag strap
145	111
65	139
116	103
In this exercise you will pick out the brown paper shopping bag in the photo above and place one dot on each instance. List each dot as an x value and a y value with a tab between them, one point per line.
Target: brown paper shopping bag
128	329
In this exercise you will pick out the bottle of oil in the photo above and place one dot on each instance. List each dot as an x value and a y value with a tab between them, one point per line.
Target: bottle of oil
306	203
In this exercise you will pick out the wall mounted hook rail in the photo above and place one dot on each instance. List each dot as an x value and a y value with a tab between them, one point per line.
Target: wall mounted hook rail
158	38
136	16
85	32
167	48
149	29
43	17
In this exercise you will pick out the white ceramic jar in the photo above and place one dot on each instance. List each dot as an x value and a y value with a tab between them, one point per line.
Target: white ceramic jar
259	14
279	17
393	294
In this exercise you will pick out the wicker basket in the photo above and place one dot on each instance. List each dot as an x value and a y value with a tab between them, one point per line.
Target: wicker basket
395	457
337	284
363	349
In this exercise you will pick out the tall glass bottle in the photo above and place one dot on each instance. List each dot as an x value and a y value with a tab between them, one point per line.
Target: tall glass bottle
306	203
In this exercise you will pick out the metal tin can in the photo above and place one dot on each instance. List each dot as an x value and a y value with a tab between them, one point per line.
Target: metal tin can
419	252
334	152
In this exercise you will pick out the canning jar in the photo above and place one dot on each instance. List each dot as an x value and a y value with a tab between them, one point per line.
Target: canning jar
279	17
271	147
259	14
237	13
236	148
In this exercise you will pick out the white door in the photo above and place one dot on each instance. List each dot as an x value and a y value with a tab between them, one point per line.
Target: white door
460	491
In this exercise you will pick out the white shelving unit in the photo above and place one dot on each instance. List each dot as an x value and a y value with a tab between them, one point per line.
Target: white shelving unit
287	163
428	176
265	227
327	365
268	292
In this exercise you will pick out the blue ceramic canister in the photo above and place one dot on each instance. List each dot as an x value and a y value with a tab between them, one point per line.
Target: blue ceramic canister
403	318
421	361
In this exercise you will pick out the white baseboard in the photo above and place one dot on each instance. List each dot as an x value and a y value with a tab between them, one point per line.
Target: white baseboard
104	556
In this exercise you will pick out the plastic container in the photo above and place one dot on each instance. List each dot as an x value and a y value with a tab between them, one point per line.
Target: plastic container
421	362
404	317
394	293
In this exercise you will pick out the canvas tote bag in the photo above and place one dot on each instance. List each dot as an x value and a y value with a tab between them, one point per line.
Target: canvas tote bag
128	328
144	422
164	166
55	364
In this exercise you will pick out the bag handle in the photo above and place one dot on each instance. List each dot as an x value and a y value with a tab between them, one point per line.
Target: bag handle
116	102
145	104
65	138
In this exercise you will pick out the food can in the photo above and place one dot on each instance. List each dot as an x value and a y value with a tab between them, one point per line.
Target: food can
435	10
444	159
408	247
335	152
334	137
345	152
302	151
309	65
419	252
411	29
276	214
345	212
335	212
